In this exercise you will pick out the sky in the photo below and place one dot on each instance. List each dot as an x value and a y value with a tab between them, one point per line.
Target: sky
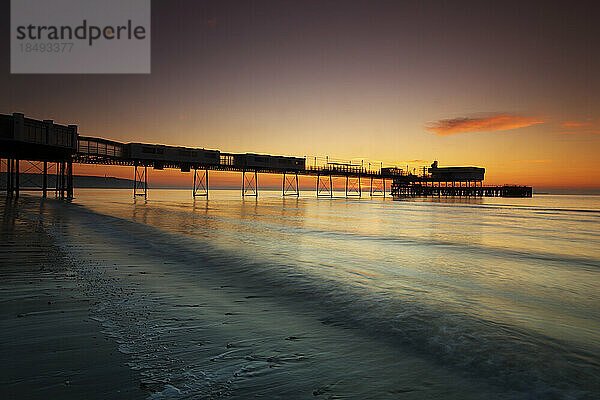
510	86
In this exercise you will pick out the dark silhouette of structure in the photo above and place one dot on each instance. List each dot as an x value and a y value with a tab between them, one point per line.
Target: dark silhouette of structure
49	148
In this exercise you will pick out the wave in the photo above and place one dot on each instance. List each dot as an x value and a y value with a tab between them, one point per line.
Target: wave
510	207
571	261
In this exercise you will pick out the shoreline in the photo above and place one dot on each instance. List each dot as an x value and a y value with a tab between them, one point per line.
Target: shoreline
51	346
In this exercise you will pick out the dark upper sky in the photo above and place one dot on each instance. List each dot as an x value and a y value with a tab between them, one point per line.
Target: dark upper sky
387	80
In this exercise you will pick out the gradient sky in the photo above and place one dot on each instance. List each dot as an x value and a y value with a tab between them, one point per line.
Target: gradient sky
510	86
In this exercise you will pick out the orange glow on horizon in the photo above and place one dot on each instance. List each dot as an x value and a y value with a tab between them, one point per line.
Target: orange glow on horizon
538	177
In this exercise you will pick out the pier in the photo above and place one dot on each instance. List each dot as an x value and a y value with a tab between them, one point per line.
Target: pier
45	147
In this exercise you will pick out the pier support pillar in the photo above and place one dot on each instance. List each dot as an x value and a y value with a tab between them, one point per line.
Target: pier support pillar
140	181
9	178
324	185
290	185
378	190
57	190
352	187
69	179
62	185
6	174
59	168
200	183
249	183
17	177
45	179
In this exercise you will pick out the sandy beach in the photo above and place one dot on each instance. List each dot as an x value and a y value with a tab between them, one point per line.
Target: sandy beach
50	346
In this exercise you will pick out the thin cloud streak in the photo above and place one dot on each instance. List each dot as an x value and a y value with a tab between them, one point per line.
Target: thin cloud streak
579	128
532	161
488	123
573	124
586	132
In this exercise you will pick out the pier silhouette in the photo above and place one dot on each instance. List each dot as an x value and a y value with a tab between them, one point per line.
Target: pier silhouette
50	148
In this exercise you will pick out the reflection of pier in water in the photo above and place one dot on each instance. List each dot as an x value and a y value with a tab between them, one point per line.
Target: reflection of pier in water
30	145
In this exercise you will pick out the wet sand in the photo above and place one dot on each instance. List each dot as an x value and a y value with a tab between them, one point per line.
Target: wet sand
50	346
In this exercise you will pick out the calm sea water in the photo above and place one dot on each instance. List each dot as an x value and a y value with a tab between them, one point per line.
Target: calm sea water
334	298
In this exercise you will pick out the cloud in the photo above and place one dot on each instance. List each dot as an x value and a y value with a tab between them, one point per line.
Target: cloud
487	123
579	128
533	161
574	124
587	131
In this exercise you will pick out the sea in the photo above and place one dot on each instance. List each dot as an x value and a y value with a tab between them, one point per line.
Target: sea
339	298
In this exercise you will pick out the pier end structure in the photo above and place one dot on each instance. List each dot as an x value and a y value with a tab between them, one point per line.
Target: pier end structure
450	181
